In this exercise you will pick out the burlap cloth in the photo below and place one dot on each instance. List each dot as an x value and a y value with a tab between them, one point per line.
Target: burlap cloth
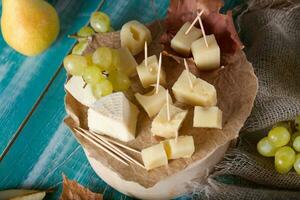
270	30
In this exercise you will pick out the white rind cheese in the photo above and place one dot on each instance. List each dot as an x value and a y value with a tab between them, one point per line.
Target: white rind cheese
206	58
207	117
133	36
127	62
154	156
202	93
163	127
76	87
114	115
183	148
182	42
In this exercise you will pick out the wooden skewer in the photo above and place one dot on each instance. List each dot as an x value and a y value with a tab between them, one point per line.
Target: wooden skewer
203	31
146	54
176	137
188	71
168	106
101	147
158	74
194	22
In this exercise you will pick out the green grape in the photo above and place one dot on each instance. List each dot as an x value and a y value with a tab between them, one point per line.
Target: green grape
279	136
284	159
75	64
79	48
119	80
92	75
297	164
103	57
265	148
89	59
115	63
102	88
296	134
85	31
296	143
286	124
297	123
100	22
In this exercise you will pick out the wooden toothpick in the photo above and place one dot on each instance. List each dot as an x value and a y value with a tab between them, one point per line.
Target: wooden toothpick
188	72
168	105
158	74
203	31
146	54
194	22
176	137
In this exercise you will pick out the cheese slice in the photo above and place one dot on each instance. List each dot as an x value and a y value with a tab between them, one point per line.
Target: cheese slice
148	75
133	36
183	148
114	115
202	93
127	62
152	102
207	117
182	42
206	58
80	91
163	127
154	156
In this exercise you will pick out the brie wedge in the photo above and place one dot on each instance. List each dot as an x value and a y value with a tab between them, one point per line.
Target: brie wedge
182	42
207	117
202	93
154	156
148	74
127	62
76	87
183	148
152	102
114	115
163	127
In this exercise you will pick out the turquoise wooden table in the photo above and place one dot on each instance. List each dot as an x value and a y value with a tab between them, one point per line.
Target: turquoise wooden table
36	146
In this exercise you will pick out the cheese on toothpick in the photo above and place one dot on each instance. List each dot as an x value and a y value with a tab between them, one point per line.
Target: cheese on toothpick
183	148
207	117
133	36
206	58
81	91
163	127
152	102
148	74
154	156
202	93
128	63
182	42
114	115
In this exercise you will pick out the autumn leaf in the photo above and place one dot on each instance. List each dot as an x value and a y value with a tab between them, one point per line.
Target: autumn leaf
74	191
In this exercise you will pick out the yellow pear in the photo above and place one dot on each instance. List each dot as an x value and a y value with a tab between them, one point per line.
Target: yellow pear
29	26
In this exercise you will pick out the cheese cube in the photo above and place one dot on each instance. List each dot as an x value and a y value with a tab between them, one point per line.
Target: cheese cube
127	62
148	75
206	58
152	102
163	127
133	36
202	93
114	115
154	156
207	117
184	148
182	42
77	87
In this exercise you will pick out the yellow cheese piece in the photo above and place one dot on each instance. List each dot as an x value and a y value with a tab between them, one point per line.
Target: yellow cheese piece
127	62
184	148
133	36
207	117
202	93
148	75
152	102
206	58
163	127
154	156
182	42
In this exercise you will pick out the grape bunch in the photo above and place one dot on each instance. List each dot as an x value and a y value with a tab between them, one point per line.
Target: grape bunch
283	143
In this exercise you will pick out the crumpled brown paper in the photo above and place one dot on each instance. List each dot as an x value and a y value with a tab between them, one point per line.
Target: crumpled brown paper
236	86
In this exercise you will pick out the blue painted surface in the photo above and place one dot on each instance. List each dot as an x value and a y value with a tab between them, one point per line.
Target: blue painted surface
45	147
